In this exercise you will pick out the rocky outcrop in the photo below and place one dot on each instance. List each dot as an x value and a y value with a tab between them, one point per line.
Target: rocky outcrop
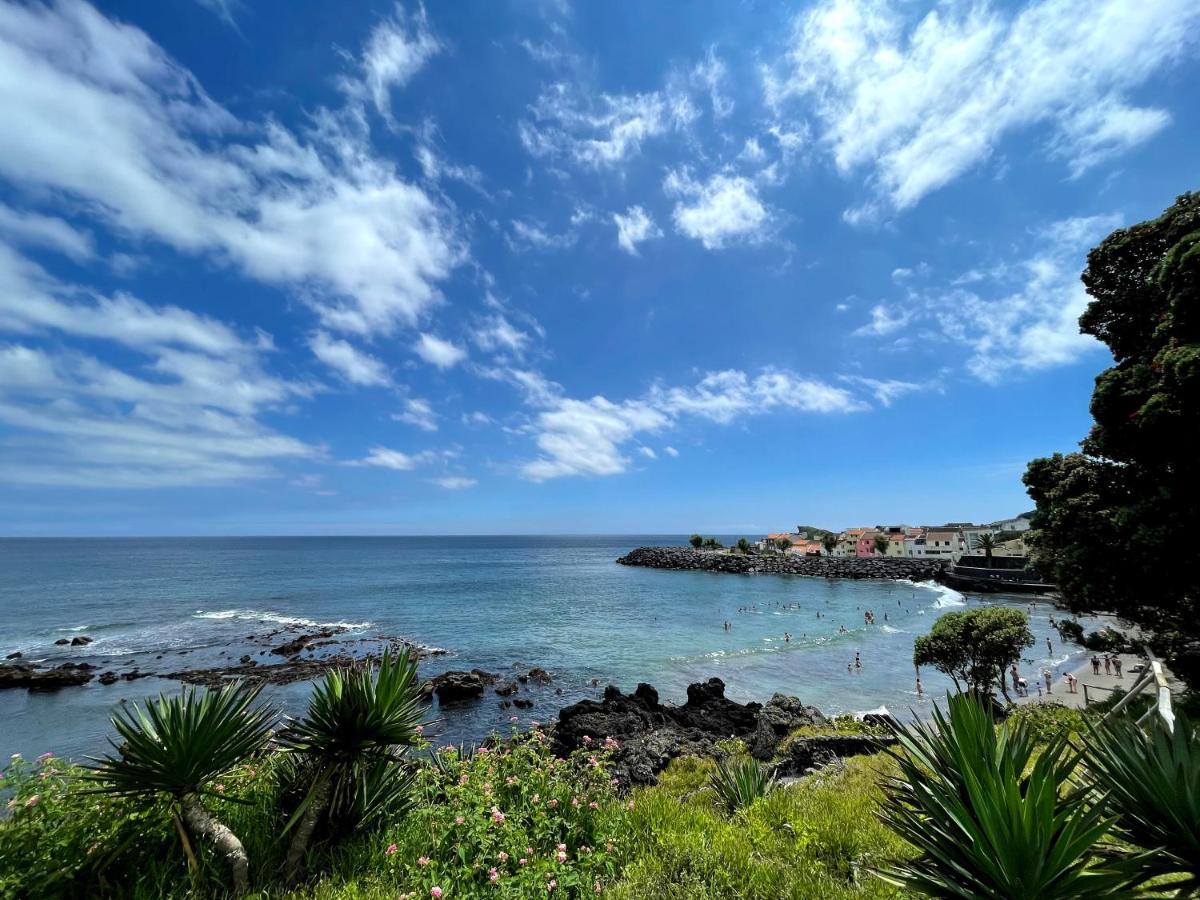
781	564
39	679
803	755
294	646
457	687
776	720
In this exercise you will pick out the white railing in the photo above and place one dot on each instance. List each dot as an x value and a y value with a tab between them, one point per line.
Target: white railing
1152	675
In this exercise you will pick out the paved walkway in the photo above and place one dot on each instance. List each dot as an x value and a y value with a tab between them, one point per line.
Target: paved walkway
1099	686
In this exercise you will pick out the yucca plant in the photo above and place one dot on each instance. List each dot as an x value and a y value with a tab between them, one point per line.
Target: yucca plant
992	817
351	744
739	782
176	745
1151	781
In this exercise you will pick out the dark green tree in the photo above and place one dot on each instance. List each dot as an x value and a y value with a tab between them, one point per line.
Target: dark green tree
784	544
696	541
1112	521
743	545
881	544
829	541
987	544
975	647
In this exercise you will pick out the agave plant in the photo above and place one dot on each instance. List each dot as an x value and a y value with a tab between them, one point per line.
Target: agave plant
351	744
176	745
993	818
739	782
1151	780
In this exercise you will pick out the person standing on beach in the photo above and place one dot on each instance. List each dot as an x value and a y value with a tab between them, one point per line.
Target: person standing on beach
1071	679
1046	674
920	690
1095	665
1022	688
1107	664
1117	665
1049	647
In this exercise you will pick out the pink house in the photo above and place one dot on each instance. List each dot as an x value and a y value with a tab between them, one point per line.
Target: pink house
866	544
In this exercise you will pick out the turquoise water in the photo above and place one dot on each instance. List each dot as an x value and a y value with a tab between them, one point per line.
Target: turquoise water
500	603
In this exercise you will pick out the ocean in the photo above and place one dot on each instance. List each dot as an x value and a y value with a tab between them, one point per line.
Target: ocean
504	604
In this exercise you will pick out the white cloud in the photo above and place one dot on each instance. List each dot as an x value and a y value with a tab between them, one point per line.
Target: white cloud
386	458
35	230
495	333
670	451
710	74
418	413
634	227
397	49
438	352
99	115
920	103
602	133
527	233
351	363
587	437
721	211
884	320
886	391
455	482
223	10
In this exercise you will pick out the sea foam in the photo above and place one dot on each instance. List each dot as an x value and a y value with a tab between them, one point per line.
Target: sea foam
255	615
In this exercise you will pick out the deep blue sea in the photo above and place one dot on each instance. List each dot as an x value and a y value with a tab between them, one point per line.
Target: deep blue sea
504	604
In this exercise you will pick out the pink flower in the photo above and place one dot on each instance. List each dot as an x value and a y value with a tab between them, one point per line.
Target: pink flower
587	738
458	820
593	805
575	802
510	780
536	724
391	848
512	718
493	875
420	729
435	892
503	856
552	803
551	884
522	861
593	762
482	751
614	781
560	856
497	816
561	848
529	851
33	801
463	779
596	886
610	744
423	861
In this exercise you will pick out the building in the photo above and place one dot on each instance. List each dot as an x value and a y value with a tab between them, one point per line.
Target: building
865	545
943	543
897	544
847	544
1020	523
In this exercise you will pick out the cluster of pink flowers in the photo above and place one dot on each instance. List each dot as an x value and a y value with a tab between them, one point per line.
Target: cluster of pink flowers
497	816
610	744
503	856
391	848
422	860
33	801
510	780
587	739
459	820
493	875
435	892
551	885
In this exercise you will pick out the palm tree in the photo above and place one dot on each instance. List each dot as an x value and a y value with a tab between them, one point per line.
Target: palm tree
990	819
176	746
351	743
987	544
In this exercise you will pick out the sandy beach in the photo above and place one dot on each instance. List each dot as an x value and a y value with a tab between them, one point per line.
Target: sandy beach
1098	687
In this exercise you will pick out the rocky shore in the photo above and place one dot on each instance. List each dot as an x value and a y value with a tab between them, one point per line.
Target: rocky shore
650	734
784	564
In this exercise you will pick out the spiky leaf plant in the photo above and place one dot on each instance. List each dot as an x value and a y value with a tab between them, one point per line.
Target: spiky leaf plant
360	722
1151	780
177	744
993	817
739	782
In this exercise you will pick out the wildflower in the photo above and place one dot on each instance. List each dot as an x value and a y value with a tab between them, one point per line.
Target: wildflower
593	805
593	762
585	849
482	751
631	804
33	801
497	816
596	886
609	846
536	724
529	851
420	729
610	744
522	861
391	848
503	856
587	738
219	788
614	781
561	848
459	820
575	802
493	875
512	718
487	788
510	780
537	798
560	856
435	892
552	803
463	779
551	885
423	861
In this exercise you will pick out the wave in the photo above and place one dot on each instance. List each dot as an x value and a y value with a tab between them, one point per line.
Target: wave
891	629
255	615
948	595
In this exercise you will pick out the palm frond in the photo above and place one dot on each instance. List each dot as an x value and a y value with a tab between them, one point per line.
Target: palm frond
738	783
178	742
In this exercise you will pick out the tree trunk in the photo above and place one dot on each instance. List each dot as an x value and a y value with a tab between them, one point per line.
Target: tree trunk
293	865
204	827
1004	685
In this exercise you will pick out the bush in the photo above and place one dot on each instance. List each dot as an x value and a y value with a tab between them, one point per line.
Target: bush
739	782
1046	721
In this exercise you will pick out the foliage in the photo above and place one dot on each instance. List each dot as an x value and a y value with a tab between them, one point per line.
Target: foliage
1151	779
1046	721
743	545
806	840
881	544
1109	519
987	544
712	544
975	647
180	742
829	541
991	817
739	782
783	544
696	541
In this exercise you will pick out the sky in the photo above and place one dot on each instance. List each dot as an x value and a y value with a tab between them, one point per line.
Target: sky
554	266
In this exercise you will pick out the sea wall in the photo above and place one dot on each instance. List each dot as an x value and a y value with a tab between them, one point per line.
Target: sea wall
780	564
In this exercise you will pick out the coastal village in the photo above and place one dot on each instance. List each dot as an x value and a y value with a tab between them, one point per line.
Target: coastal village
950	541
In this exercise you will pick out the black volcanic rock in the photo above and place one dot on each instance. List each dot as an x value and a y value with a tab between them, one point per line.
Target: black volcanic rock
80	641
39	679
784	564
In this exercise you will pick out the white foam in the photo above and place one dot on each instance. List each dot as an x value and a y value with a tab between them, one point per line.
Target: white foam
948	595
258	616
888	629
877	711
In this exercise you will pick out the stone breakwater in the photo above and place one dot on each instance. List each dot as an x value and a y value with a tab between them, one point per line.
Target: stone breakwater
780	564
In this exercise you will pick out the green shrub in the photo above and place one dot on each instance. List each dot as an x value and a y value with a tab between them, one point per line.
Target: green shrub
1046	721
739	782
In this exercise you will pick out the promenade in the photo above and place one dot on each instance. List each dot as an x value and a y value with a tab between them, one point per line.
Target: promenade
1099	687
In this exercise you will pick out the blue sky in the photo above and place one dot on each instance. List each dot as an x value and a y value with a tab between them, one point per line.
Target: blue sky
270	266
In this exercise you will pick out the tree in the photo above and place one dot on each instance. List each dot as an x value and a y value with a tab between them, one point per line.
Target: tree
783	544
829	542
975	647
696	541
176	746
743	545
351	744
987	544
712	544
1111	521
881	544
